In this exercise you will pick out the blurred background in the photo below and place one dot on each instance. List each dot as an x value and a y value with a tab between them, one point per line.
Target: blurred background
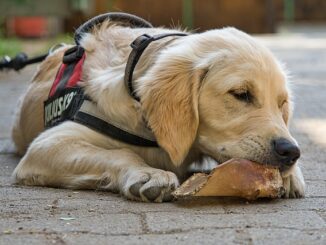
35	25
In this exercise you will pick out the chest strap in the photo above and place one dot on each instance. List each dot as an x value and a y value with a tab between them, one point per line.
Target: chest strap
89	116
138	47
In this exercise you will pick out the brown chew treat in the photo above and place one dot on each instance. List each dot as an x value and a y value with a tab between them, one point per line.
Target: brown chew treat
236	178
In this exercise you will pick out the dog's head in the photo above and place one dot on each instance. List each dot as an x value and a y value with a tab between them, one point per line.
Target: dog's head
223	93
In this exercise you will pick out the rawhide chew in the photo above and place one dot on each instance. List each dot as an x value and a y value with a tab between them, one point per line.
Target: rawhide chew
235	178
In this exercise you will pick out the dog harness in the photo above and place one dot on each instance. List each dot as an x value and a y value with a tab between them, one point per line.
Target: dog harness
67	100
65	96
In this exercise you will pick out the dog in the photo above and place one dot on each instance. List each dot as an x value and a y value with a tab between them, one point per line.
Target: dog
219	93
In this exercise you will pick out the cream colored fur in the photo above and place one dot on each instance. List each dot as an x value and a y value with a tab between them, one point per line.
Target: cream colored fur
184	84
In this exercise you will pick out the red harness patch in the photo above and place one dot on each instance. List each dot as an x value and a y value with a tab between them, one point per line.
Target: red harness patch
73	78
65	95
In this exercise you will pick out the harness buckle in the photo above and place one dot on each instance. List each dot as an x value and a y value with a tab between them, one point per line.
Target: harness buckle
73	54
141	42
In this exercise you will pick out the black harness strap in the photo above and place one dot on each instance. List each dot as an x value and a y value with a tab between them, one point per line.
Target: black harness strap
138	47
130	20
110	130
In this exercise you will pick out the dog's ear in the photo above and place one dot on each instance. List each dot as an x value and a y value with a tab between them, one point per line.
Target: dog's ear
170	103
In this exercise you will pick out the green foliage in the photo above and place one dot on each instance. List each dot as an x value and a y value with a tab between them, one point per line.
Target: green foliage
12	46
9	46
66	38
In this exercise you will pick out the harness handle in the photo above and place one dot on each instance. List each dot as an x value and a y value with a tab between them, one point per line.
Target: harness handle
138	47
130	19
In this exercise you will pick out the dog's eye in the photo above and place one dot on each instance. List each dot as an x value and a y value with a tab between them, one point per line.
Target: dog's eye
244	96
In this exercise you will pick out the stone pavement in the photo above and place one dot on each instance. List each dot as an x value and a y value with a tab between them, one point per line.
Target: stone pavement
34	215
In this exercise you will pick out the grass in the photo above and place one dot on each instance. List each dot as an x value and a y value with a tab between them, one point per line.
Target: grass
13	46
10	46
62	38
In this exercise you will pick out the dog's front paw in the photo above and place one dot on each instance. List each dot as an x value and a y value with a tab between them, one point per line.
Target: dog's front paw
149	184
294	184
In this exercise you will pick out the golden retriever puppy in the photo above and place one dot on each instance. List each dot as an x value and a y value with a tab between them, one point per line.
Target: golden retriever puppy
219	93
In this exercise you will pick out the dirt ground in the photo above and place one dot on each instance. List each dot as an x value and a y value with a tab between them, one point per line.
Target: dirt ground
34	215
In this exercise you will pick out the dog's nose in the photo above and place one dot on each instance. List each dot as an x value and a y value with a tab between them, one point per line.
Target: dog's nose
286	151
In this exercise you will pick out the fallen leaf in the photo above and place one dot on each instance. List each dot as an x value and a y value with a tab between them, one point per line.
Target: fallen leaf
67	218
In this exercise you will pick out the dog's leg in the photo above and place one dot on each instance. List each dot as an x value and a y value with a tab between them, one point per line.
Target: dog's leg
294	183
72	163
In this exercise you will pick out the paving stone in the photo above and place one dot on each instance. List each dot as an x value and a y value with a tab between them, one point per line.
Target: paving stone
62	206
278	219
207	205
271	206
199	236
8	162
315	172
316	188
127	223
35	239
15	192
323	214
268	236
6	145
